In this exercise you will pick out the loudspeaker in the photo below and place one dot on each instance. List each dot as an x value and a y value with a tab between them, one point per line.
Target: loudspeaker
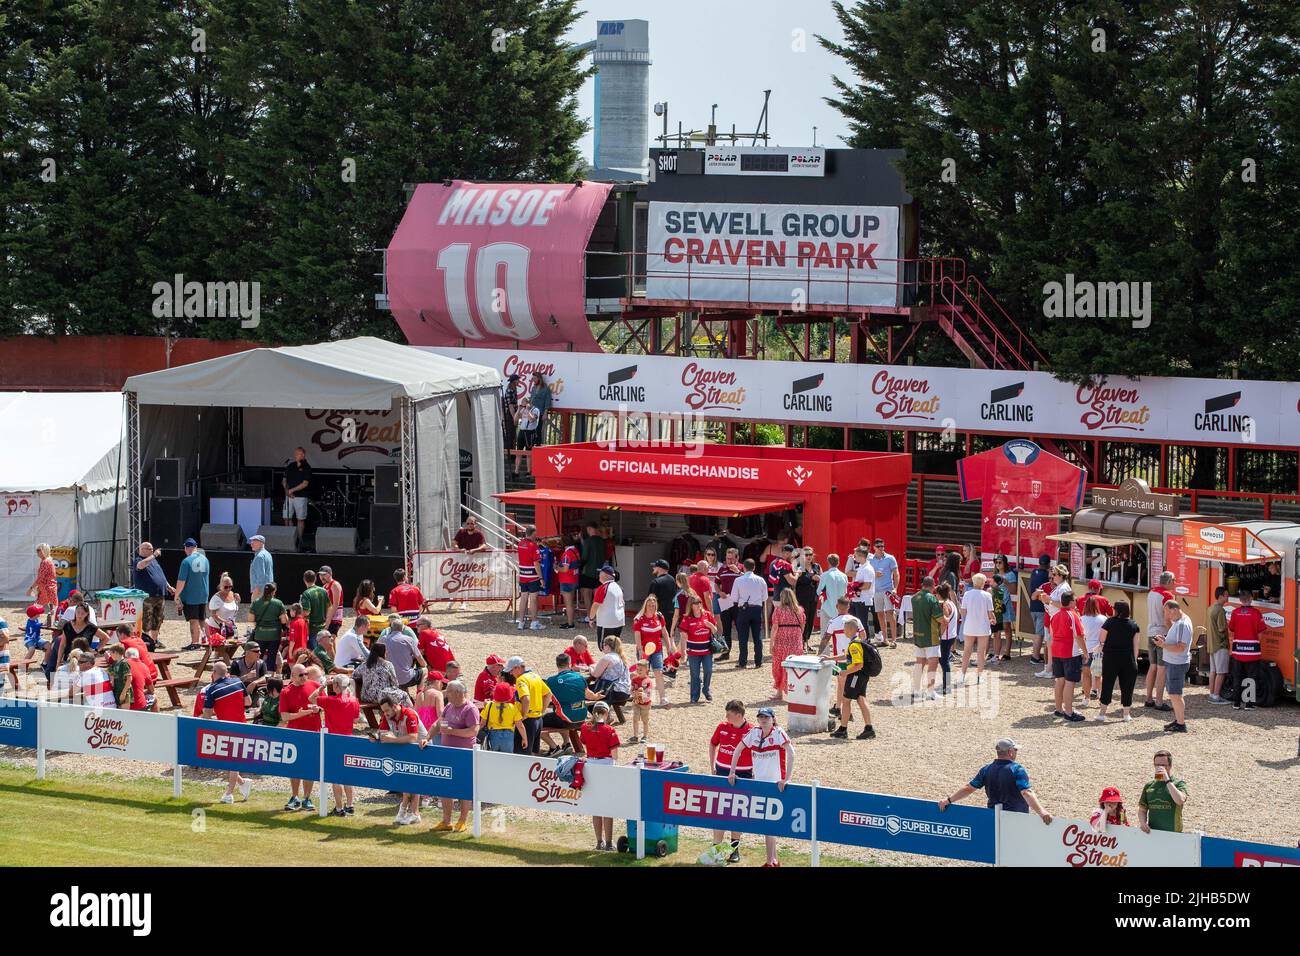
336	540
168	477
388	480
172	521
279	537
221	537
386	529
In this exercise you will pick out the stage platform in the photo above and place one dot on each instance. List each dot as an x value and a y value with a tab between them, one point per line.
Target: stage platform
349	570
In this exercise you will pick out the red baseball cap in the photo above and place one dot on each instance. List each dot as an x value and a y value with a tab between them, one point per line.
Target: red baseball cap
1094	585
503	693
496	659
1110	793
437	675
35	610
939	549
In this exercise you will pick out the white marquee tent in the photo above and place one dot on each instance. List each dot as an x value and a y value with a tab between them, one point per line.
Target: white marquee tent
59	482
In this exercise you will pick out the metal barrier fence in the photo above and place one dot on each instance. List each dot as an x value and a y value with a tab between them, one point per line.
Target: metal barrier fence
103	564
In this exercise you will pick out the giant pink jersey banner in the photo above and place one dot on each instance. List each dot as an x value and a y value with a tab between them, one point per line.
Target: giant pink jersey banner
494	264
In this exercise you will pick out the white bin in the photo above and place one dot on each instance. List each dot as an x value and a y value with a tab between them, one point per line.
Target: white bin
808	681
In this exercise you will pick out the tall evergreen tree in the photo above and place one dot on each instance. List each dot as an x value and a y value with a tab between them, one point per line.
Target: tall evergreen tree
1103	139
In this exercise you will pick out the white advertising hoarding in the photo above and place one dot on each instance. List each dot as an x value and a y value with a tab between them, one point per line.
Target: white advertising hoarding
1217	411
454	576
523	781
1027	841
108	732
767	253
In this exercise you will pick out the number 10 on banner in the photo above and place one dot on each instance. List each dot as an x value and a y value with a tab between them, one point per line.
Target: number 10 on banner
503	309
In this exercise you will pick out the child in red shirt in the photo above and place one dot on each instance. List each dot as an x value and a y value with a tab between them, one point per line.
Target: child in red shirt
297	633
601	742
642	697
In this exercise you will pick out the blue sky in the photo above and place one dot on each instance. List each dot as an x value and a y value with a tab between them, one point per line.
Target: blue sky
727	52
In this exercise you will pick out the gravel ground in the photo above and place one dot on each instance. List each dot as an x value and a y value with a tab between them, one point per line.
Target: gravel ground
924	751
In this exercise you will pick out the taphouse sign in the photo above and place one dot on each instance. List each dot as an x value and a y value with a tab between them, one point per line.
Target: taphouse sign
1134	494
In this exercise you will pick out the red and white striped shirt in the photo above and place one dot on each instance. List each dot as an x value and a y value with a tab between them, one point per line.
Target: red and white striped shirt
95	688
766	750
529	556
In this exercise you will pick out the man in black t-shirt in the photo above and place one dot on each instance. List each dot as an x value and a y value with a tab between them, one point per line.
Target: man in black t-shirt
297	490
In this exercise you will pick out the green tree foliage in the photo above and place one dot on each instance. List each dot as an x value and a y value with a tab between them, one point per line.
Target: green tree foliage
1106	139
256	140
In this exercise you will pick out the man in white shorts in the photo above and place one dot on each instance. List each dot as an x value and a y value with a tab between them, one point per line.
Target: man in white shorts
886	567
864	590
927	630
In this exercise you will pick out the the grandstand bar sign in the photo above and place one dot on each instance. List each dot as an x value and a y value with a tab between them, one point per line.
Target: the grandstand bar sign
1027	404
1135	495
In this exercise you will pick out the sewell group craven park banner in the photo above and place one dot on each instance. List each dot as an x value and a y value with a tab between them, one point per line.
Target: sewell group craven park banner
1216	411
770	253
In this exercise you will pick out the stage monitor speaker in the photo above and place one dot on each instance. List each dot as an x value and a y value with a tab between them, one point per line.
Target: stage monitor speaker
279	537
172	521
388	481
168	477
221	537
336	540
386	529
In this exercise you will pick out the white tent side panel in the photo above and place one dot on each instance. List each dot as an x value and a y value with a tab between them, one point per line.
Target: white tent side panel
55	524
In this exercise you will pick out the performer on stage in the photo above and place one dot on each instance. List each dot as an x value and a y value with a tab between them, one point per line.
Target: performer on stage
297	490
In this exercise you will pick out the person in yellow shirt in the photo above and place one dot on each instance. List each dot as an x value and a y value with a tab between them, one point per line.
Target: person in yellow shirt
503	719
533	696
855	682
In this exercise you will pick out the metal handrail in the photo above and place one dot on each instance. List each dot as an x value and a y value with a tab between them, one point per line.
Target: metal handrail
496	529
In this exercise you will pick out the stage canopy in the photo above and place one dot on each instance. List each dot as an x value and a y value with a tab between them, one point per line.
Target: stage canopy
59	483
446	407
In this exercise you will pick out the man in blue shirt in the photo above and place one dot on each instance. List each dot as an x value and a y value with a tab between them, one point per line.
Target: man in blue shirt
147	576
1039	579
262	571
192	591
569	688
1003	781
886	567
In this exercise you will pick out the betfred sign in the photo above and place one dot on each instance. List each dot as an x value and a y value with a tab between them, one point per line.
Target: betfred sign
1027	841
251	748
1217	852
750	806
905	825
433	771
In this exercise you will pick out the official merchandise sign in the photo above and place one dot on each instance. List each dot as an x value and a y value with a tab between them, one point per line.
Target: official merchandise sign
331	437
109	732
18	723
453	575
1214	542
495	264
704	800
1027	841
765	252
651	468
905	825
432	771
1238	853
530	782
248	748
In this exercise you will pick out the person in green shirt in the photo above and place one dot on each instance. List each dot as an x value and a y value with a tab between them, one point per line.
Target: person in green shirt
593	559
120	671
315	601
268	712
1217	621
268	615
1161	804
927	624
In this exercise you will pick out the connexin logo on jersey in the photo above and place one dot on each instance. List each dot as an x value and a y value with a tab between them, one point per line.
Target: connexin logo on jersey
1001	408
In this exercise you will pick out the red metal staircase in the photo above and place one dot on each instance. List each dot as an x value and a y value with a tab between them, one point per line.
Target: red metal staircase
981	329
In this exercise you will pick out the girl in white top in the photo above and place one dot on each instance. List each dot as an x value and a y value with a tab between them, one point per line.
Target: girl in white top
222	610
1092	619
977	611
766	742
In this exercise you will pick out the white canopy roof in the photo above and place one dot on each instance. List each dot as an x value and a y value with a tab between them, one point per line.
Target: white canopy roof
353	373
59	440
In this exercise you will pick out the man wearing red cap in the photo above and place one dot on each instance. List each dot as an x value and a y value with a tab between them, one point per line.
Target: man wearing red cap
488	679
1103	605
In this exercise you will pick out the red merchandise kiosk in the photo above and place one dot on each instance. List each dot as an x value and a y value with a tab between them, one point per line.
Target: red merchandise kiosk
833	497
